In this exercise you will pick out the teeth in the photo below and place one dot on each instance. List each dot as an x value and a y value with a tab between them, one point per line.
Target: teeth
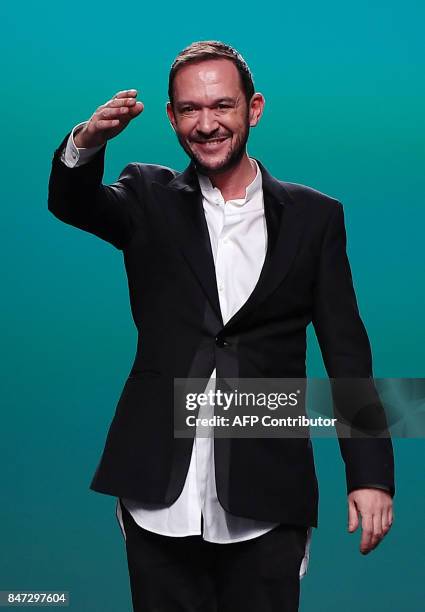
213	142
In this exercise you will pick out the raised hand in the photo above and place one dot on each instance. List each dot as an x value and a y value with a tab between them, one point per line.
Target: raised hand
109	120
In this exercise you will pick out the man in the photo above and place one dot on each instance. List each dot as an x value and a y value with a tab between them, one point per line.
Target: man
226	267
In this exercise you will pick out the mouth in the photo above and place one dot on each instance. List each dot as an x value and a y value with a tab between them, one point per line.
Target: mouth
211	145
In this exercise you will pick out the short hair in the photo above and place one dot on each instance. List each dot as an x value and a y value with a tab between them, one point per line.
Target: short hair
211	49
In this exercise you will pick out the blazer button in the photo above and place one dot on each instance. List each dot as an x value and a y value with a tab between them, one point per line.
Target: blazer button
221	342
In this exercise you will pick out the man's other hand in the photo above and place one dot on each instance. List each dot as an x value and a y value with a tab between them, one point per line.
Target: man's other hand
109	120
376	510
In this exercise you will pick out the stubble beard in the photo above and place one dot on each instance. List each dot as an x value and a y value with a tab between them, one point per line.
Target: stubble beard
232	159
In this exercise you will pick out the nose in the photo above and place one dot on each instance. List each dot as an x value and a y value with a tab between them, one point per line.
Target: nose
207	122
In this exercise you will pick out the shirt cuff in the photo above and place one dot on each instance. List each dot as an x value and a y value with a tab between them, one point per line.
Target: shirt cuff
72	156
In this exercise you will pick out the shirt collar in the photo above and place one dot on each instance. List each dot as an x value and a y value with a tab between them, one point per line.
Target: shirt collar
213	194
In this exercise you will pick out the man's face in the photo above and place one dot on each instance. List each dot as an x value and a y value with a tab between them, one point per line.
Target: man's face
210	114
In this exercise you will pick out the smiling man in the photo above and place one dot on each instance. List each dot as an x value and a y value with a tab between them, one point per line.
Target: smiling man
227	266
211	115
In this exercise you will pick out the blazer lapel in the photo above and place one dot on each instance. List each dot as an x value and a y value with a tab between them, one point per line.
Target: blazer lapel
284	230
181	201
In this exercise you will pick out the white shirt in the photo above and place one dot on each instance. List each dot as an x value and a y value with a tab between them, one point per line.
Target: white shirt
238	235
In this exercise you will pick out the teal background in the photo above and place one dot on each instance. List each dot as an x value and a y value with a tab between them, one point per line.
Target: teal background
344	113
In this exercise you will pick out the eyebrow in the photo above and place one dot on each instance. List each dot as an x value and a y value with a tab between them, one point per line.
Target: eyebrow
190	103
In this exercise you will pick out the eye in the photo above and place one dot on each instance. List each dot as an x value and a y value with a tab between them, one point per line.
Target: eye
223	106
187	109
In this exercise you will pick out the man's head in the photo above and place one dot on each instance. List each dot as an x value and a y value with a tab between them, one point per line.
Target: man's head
212	104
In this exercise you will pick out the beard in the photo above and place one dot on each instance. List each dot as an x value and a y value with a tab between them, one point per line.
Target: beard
231	159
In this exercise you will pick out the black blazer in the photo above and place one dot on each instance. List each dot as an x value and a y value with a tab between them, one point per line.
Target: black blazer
155	216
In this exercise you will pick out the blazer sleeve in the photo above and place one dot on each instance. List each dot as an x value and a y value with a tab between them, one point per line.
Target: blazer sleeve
77	196
346	353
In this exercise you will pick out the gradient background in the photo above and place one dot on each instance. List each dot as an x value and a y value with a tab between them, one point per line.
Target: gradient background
344	114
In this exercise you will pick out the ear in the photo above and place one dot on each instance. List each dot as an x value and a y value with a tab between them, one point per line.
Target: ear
171	116
256	107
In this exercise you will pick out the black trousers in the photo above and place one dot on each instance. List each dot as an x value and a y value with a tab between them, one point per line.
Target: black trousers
188	574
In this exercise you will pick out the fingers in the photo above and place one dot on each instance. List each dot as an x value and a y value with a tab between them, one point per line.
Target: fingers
375	508
117	106
122	107
378	532
126	93
353	518
112	112
367	534
129	106
375	527
136	109
387	519
119	102
127	97
110	119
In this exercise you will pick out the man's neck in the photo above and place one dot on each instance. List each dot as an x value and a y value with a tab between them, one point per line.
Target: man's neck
233	182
